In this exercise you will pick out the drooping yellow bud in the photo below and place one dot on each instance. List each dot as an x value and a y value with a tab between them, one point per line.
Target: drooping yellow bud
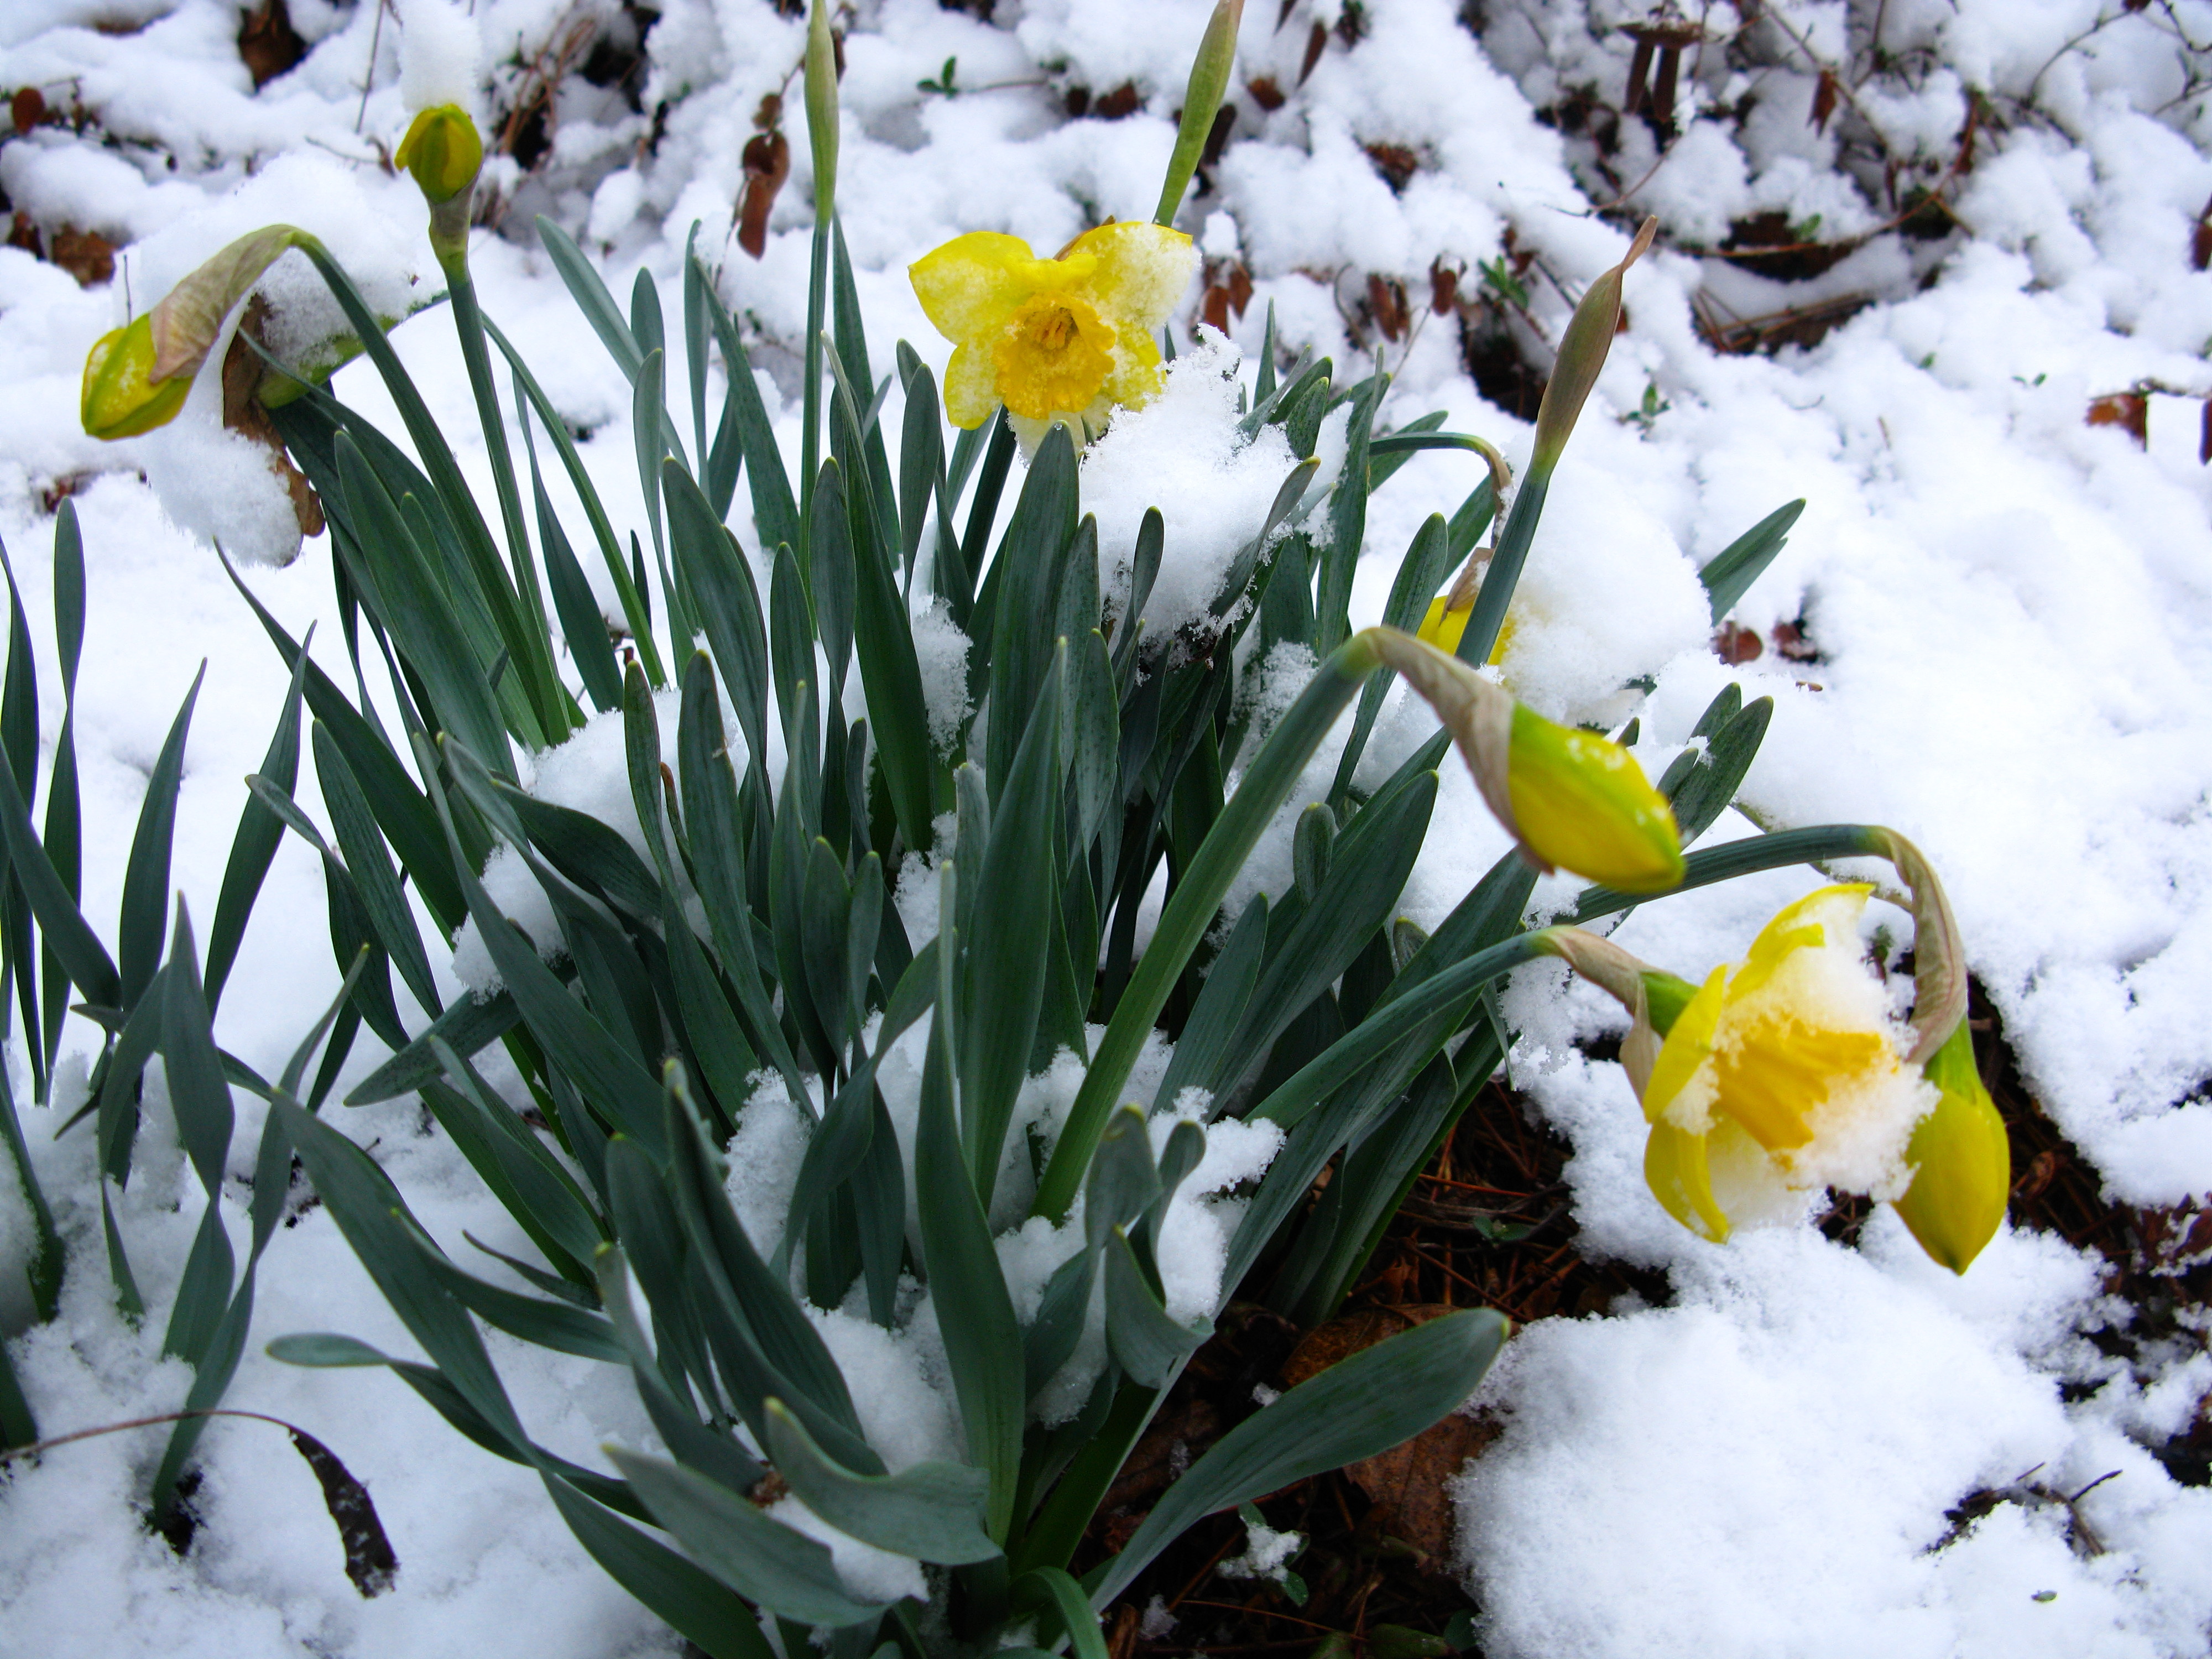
1962	1163
443	151
121	397
1581	802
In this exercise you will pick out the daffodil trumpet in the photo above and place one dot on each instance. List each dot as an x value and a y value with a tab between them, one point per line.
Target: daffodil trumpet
1783	1074
1068	339
1572	800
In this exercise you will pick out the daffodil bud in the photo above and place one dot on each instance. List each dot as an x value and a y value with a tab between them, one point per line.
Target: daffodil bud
822	107
121	397
443	151
137	378
1583	350
1209	80
1581	802
1575	800
1962	1163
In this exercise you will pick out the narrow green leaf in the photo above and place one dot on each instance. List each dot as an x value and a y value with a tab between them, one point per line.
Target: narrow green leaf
762	1559
931	1510
1728	574
1360	1407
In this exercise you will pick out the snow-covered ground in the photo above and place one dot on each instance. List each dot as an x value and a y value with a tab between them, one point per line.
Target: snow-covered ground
2013	610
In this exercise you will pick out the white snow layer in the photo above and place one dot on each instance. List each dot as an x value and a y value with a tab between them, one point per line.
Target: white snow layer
2013	610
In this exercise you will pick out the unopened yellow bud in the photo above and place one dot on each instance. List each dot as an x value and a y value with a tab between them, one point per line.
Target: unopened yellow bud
1445	625
442	150
1962	1163
1581	802
121	397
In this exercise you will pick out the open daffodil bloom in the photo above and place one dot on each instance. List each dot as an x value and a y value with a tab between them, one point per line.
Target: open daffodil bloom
1783	1075
1065	339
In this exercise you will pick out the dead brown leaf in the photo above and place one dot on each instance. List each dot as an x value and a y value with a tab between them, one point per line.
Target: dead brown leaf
243	414
85	254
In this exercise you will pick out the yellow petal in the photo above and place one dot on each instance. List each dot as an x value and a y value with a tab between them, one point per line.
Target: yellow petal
1675	1169
119	399
1689	1045
1581	802
1442	626
1142	271
1136	379
1962	1162
1805	924
970	287
972	386
1445	625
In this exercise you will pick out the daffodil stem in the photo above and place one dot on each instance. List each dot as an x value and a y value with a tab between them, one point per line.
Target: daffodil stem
1743	858
1191	908
543	688
1504	574
809	437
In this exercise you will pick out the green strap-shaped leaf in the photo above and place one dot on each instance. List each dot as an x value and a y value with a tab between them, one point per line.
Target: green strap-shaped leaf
691	1600
1006	952
1145	1341
572	1035
1728	574
376	1222
253	847
466	1027
931	1510
146	876
964	1274
1056	1587
370	866
760	1558
1360	1407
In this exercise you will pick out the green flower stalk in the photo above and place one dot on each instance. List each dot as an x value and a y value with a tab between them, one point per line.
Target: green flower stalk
1202	102
1583	351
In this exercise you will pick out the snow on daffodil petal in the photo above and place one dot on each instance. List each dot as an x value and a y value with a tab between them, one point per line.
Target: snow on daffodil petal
1783	1075
1066	338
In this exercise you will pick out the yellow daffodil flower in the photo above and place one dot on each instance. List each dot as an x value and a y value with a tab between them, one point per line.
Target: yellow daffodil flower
121	397
1782	1076
1067	339
1581	802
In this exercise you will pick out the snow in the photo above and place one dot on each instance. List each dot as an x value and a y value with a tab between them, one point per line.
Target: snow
2013	610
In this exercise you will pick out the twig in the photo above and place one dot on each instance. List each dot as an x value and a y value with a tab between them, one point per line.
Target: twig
369	74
